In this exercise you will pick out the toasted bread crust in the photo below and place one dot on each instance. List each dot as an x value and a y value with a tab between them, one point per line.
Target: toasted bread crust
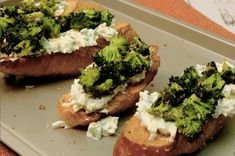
133	140
118	104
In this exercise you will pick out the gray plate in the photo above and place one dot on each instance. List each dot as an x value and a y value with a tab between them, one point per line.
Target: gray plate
27	129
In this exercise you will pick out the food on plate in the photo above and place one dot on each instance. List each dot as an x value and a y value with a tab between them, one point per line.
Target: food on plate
184	116
53	37
111	84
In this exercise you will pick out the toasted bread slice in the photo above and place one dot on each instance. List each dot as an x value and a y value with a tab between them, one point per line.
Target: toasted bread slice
59	64
134	140
120	102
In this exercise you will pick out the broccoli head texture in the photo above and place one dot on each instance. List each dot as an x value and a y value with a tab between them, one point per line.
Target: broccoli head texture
210	87
140	46
228	74
135	63
116	62
210	69
88	18
89	76
190	100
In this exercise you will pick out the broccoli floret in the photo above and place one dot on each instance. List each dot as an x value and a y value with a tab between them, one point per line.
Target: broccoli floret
140	46
92	82
49	7
174	95
51	28
10	11
105	88
4	22
28	6
210	87
64	22
109	54
228	74
34	17
160	109
121	42
189	127
135	63
106	17
89	18
203	109
88	77
210	69
23	48
188	80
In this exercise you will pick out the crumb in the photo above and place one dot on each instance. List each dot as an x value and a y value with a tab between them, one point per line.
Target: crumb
152	85
165	45
29	86
42	107
13	128
14	115
59	89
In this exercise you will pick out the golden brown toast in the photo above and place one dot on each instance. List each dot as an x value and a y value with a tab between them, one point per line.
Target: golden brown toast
134	140
120	102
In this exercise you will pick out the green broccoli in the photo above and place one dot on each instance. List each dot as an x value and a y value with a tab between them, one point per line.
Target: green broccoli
116	63
210	69
189	127
140	46
90	80
23	48
51	27
89	76
103	89
48	7
210	87
228	74
135	63
28	6
106	17
190	100
4	22
109	54
89	18
34	17
121	42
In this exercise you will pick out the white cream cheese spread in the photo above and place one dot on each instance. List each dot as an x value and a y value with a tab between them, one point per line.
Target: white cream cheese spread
103	127
151	122
72	40
226	106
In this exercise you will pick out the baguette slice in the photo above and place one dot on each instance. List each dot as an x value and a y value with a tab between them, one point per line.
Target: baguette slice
120	102
59	64
134	140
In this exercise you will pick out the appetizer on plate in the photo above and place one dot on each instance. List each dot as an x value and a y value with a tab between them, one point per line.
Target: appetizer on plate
53	37
111	84
184	116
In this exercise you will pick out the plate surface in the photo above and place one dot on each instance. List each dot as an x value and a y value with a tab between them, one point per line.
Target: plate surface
28	105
